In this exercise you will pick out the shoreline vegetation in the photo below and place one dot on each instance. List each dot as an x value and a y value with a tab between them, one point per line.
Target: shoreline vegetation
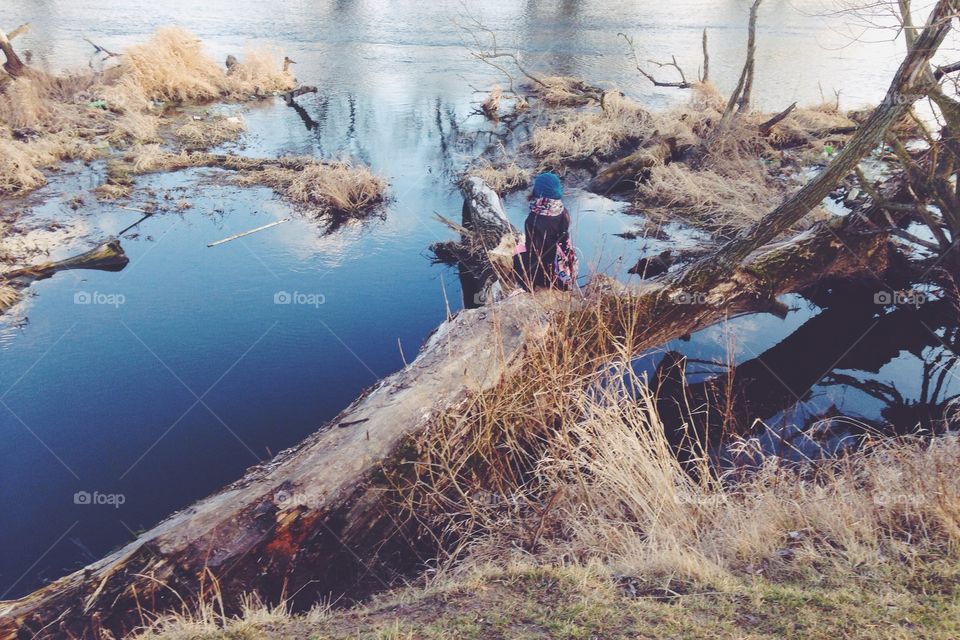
134	114
553	495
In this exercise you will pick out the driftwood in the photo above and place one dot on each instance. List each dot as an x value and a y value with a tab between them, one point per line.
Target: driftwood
108	256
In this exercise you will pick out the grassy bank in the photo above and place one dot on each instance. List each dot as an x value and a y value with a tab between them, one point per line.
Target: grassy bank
527	602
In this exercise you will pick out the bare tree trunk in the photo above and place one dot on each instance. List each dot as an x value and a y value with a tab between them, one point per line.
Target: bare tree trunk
706	60
746	75
743	103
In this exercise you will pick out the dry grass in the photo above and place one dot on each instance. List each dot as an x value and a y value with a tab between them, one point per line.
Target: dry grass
8	297
203	134
565	91
623	499
45	119
579	136
491	105
502	178
707	198
338	188
172	67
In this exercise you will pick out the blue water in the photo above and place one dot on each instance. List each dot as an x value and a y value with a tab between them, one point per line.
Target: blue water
188	372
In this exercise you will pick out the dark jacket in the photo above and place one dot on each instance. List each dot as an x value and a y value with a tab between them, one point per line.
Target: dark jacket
542	234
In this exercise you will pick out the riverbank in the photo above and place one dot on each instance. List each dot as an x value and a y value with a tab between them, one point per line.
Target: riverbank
566	602
866	548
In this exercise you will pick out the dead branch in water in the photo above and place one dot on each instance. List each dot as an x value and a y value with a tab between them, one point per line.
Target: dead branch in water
766	126
681	84
289	96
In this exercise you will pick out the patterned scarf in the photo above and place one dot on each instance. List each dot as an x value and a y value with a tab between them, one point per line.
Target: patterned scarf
547	207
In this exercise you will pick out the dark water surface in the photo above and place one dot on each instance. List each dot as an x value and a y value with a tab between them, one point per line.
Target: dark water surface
184	370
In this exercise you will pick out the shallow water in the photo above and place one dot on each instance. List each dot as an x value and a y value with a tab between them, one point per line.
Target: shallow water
187	371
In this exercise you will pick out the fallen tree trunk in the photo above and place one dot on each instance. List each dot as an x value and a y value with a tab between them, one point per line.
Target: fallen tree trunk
313	522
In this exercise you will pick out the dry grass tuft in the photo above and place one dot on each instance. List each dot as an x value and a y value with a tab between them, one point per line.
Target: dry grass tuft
491	106
8	297
575	137
203	134
329	187
565	91
172	67
502	178
337	187
707	198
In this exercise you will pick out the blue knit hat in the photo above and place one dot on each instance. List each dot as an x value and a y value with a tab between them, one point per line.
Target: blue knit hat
547	185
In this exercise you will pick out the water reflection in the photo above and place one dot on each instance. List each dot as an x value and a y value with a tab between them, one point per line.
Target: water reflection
851	369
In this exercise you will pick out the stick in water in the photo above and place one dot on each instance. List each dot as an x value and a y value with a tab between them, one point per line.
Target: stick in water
246	233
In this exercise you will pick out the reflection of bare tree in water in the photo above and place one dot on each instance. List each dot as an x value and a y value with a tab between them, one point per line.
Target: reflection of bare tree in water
780	384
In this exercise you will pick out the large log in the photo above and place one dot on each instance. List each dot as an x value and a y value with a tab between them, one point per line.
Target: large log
108	256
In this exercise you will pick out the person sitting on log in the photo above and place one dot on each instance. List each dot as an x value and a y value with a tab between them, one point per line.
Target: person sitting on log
547	258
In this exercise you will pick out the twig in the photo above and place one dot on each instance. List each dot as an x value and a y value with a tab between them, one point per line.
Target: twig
247	233
706	59
99	49
682	84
